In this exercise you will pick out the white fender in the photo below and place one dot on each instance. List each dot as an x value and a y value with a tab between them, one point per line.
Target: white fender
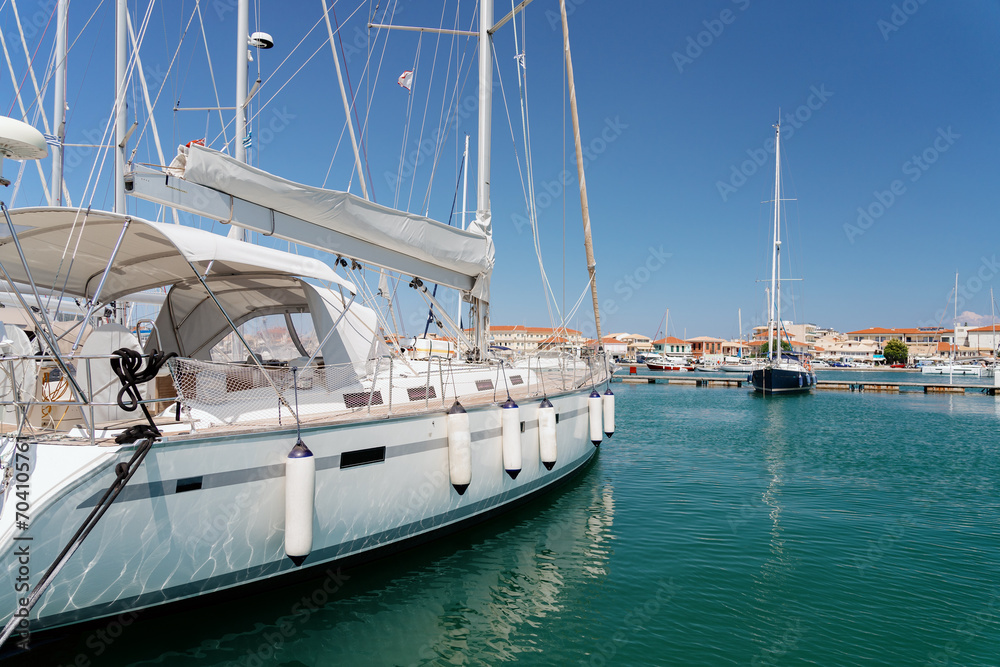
547	434
459	448
510	423
300	488
609	413
596	408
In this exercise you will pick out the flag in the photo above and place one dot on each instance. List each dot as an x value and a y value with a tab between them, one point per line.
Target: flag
406	80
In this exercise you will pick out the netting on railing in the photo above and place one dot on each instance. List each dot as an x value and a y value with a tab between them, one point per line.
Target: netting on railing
222	393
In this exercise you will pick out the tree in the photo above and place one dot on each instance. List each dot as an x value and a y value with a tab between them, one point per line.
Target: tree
766	350
896	352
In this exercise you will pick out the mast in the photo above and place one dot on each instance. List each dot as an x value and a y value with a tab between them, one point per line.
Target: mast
775	302
993	325
240	150
121	40
59	117
954	334
584	206
483	213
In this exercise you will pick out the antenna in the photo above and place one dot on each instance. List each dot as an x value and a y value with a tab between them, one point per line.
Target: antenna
19	141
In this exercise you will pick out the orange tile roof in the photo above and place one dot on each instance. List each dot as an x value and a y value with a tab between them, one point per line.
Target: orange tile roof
551	340
670	340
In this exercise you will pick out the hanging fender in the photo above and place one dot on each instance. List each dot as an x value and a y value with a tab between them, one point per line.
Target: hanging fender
547	448
596	407
609	413
510	423
459	448
300	492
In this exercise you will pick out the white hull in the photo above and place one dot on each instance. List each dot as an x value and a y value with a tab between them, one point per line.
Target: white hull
205	514
953	370
738	368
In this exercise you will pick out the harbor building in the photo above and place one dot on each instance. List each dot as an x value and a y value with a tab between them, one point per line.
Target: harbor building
671	345
529	340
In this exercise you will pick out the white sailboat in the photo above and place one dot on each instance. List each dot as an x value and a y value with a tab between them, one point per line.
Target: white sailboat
258	467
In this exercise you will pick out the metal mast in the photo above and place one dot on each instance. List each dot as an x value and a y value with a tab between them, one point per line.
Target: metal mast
483	213
59	117
775	304
121	63
242	33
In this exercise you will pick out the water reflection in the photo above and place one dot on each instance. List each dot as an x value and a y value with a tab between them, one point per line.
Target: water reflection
484	596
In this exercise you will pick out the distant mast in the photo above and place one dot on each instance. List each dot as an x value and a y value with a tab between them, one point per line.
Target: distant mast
773	324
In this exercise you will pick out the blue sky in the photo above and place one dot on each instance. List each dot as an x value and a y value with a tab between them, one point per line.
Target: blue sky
890	112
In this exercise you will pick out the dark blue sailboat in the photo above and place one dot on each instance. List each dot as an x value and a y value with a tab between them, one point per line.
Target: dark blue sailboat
783	372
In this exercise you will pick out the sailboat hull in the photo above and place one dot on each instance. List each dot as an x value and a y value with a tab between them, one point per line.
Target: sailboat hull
206	515
770	380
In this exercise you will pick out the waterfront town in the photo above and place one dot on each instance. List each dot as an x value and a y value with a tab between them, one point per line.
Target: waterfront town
864	346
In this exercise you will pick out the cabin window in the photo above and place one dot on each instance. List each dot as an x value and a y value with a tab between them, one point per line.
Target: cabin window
272	338
362	457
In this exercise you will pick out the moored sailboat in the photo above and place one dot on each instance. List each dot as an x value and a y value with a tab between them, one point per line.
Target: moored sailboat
783	372
244	467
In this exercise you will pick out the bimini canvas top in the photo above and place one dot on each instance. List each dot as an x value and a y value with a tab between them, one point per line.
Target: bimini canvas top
67	250
190	322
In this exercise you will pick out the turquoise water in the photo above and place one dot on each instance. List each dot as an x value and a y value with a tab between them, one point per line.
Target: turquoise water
717	527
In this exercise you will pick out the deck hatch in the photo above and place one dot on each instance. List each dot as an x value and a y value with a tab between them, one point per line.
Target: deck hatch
360	399
421	393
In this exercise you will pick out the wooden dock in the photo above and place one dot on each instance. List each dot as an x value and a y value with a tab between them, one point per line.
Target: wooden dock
861	386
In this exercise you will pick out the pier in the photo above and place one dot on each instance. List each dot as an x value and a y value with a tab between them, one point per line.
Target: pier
727	380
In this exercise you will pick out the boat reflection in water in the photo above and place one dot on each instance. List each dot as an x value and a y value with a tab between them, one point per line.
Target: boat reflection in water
482	595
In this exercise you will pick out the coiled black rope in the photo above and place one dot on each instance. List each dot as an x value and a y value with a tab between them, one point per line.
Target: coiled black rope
128	367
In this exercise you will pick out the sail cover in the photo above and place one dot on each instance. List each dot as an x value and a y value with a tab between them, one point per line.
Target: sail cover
386	235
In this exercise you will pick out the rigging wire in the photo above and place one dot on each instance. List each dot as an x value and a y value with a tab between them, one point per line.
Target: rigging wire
406	125
427	102
445	120
354	108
